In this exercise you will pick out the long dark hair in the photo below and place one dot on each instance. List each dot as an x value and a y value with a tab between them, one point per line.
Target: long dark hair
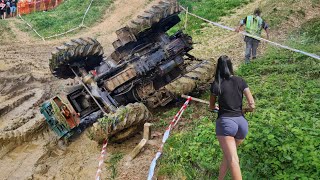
224	70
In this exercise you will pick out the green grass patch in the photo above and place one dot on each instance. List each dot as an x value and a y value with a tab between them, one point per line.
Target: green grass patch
6	30
4	27
209	9
283	140
112	164
66	16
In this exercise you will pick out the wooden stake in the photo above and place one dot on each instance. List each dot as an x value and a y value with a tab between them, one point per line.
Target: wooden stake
195	99
146	137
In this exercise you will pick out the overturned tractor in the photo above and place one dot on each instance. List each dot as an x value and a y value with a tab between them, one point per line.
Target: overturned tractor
147	69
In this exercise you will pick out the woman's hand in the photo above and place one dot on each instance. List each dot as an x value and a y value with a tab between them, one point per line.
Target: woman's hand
247	109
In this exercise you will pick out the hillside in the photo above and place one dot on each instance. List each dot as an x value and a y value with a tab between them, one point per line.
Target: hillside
282	141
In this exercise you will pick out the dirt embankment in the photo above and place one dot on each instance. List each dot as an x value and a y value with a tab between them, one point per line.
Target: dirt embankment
28	149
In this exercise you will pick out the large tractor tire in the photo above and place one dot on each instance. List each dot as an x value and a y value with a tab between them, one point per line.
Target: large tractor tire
143	22
86	52
120	125
199	74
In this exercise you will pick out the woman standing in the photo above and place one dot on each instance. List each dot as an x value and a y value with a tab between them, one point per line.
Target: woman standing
13	8
2	9
8	12
231	126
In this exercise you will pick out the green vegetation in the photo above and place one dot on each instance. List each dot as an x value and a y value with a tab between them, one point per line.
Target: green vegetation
5	29
283	140
112	164
4	26
67	16
209	9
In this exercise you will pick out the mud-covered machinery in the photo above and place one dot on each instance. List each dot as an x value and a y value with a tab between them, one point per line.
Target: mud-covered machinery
145	60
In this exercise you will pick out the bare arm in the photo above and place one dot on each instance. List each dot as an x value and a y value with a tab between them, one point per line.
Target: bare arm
238	28
250	100
212	102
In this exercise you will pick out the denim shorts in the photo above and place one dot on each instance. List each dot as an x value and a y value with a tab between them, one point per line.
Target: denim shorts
236	127
13	9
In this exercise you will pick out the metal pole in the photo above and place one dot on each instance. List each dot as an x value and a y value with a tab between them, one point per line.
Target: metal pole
95	100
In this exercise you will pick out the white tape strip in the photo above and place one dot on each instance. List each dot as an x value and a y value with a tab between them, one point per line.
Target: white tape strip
256	37
31	27
85	14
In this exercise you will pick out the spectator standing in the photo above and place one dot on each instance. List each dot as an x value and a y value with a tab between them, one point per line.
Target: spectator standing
2	9
8	12
13	8
253	25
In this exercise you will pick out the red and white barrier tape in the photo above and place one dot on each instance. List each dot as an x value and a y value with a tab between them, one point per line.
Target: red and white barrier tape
101	159
172	124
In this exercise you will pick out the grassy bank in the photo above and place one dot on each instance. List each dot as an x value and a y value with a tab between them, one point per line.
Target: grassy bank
283	134
66	16
209	9
5	30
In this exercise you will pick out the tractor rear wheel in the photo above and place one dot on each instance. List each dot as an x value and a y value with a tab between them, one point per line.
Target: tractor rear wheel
84	52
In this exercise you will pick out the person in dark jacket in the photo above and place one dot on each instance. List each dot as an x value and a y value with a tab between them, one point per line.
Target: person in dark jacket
231	126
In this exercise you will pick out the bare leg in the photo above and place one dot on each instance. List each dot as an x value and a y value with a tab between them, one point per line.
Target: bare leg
223	168
224	165
239	141
229	148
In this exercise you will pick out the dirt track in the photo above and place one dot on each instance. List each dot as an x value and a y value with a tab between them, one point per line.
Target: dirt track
27	148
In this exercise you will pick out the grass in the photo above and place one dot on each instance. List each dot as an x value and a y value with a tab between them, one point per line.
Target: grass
67	16
209	9
283	134
4	26
5	29
112	164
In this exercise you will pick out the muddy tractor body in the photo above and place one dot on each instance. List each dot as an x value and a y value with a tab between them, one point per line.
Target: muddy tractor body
144	61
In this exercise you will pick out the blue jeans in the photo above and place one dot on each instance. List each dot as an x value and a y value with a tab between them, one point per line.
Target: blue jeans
251	48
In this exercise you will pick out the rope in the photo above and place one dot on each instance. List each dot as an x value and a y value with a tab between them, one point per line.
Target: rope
31	27
60	34
255	37
85	14
172	124
56	35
